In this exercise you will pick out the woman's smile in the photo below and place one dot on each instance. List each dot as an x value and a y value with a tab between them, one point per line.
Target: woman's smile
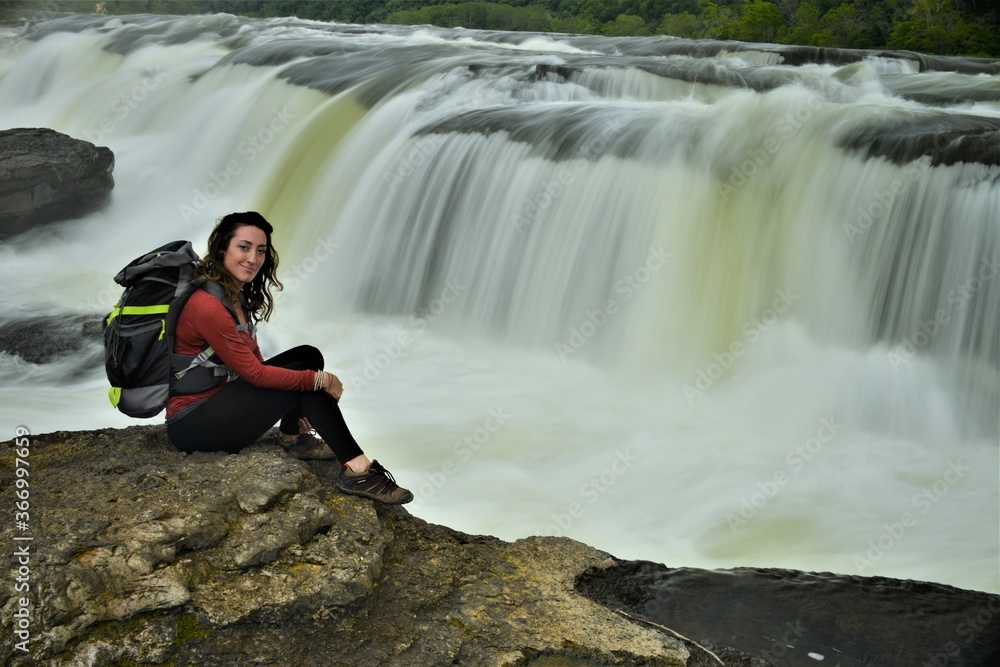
246	253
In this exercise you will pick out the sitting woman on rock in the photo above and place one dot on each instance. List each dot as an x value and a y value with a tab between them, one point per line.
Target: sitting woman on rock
291	387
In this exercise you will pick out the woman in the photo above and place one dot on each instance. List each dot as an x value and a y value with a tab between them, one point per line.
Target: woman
291	387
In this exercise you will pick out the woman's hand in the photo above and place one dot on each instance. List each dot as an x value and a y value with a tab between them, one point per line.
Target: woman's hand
332	385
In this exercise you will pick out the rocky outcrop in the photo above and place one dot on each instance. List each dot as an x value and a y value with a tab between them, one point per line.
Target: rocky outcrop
791	618
43	339
47	176
943	139
143	554
127	552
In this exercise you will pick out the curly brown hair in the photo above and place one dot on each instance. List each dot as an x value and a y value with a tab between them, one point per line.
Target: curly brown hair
256	294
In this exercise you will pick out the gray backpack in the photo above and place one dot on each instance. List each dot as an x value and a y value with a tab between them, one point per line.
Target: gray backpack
139	333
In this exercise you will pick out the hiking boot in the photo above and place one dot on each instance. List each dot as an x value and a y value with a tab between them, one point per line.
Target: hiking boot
304	447
376	483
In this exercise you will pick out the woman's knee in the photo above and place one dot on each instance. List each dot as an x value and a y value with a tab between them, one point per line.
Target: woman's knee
312	356
302	357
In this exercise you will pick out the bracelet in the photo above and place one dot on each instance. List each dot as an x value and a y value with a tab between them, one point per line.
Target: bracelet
318	382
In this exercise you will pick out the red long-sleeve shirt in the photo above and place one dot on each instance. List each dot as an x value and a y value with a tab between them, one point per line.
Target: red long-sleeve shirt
205	321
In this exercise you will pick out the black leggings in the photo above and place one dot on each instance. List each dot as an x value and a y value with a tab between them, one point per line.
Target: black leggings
240	413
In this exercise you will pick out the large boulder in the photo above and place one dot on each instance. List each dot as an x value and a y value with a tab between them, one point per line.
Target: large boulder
47	176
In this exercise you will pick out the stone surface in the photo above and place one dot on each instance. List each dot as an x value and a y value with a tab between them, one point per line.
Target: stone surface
144	554
798	619
47	176
41	340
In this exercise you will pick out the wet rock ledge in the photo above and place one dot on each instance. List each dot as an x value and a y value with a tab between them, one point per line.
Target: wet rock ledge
141	555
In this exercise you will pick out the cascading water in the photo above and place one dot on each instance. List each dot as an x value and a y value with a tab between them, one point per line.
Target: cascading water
685	304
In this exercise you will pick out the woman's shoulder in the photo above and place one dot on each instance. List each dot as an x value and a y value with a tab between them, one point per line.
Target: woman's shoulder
201	302
200	298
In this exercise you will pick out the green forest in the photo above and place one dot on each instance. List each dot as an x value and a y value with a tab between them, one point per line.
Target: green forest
942	27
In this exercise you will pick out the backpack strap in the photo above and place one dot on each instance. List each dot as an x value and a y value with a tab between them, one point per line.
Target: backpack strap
216	289
202	360
215	371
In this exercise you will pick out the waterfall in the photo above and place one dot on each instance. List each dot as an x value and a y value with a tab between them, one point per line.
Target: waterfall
704	304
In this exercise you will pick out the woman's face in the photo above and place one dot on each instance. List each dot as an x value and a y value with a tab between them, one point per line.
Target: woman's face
246	254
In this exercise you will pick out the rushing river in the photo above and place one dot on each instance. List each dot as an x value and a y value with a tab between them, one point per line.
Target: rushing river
695	303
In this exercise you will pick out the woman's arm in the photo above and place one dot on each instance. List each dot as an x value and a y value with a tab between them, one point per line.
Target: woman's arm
215	325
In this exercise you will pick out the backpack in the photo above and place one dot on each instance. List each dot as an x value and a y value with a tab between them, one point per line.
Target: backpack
139	333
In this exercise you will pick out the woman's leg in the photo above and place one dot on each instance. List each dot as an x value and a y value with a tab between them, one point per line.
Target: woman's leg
240	413
301	358
307	357
236	416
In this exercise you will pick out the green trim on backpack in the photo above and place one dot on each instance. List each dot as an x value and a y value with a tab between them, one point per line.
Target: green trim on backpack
115	396
139	310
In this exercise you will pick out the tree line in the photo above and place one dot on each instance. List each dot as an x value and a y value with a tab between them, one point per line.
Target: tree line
942	27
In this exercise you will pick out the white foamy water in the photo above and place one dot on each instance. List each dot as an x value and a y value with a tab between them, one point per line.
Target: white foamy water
568	293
